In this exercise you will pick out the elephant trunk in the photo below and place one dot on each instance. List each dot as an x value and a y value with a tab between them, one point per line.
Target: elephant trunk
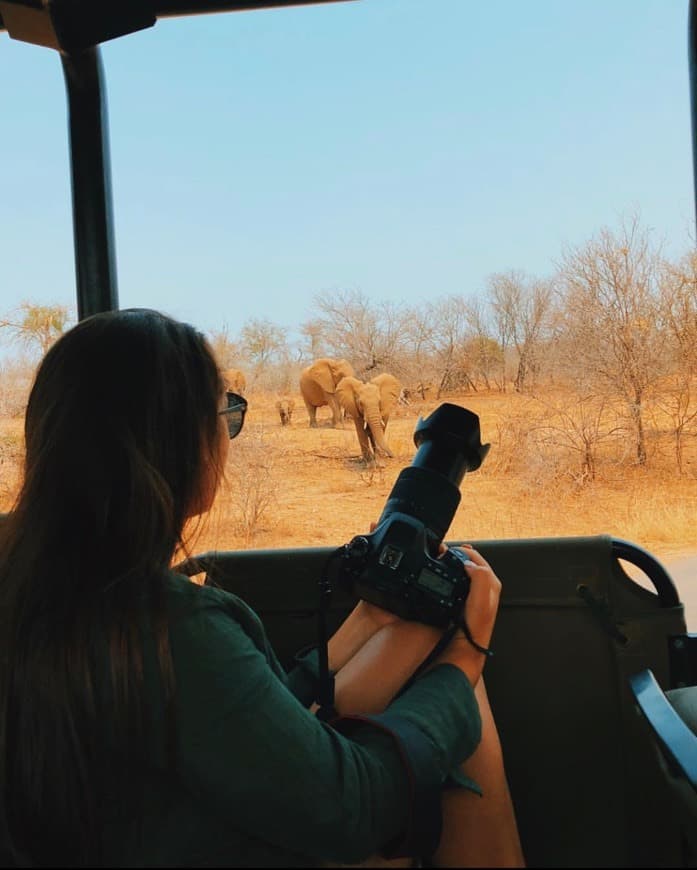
373	425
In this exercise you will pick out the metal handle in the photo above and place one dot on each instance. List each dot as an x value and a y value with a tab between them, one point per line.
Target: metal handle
657	574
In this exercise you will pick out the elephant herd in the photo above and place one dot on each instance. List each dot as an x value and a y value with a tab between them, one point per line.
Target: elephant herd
333	383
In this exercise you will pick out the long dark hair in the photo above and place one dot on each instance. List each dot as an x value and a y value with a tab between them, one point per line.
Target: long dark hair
121	422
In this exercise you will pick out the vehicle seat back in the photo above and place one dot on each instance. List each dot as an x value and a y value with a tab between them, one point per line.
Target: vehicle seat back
573	626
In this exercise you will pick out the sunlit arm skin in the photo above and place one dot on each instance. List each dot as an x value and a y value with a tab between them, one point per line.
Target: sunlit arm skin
373	661
362	623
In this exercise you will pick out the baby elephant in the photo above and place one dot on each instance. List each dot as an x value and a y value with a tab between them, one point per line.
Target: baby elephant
285	410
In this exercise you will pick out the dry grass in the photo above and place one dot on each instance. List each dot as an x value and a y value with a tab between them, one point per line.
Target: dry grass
323	493
293	486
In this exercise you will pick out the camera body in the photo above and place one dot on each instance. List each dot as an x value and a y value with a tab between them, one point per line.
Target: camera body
393	569
398	566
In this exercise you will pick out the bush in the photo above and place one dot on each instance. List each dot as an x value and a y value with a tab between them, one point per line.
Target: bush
252	481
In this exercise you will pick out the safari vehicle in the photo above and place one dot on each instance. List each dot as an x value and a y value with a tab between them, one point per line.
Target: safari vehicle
593	681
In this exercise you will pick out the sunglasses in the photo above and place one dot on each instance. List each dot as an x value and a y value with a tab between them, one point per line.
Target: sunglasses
234	413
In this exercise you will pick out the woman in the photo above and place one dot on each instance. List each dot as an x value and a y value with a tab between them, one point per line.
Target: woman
144	720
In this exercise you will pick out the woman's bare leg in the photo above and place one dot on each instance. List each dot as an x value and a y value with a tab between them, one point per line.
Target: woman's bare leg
477	831
370	675
481	831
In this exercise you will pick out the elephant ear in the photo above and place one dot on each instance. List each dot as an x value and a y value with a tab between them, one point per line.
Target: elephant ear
321	373
346	391
341	368
394	389
390	388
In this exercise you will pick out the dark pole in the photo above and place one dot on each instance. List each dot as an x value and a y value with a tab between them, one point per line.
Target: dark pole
93	224
692	63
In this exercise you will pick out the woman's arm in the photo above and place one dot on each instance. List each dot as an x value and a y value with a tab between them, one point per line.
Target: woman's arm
362	624
375	673
336	793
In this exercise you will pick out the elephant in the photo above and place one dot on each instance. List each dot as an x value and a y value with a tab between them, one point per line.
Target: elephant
285	410
370	406
235	381
318	386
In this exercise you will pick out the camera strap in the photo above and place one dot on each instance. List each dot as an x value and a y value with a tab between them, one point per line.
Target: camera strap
325	691
464	628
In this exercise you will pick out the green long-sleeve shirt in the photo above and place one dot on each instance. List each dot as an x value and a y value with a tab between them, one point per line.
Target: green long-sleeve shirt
260	781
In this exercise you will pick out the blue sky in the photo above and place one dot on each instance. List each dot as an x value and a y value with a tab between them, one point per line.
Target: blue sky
406	149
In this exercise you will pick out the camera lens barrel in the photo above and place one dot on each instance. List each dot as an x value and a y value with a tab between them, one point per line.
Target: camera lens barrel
448	443
427	496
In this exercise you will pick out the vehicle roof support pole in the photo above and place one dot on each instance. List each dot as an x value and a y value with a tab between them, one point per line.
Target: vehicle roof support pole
692	63
93	224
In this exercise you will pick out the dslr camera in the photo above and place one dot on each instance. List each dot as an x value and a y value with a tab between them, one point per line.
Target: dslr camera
397	566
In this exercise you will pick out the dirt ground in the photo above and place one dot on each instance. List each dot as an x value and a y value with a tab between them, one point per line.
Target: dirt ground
321	492
294	486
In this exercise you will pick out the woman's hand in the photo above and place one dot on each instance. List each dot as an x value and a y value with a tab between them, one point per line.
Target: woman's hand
482	601
481	607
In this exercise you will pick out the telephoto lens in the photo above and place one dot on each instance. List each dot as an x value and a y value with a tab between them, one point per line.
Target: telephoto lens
449	445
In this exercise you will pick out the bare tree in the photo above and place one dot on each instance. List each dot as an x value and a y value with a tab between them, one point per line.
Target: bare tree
483	359
679	312
612	316
484	352
228	352
313	343
371	337
36	327
580	426
522	307
348	324
677	401
263	342
417	368
450	315
390	339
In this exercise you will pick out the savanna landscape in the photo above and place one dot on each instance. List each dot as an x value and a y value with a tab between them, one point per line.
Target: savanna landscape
293	486
298	486
584	384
